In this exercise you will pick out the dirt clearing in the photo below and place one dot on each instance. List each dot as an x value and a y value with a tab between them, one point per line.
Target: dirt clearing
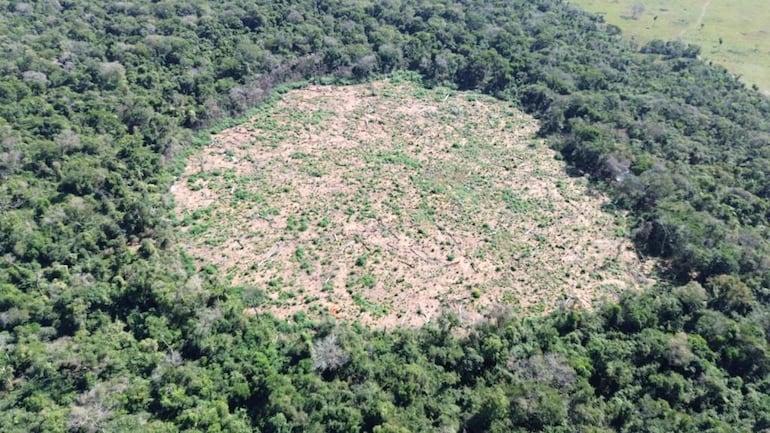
389	203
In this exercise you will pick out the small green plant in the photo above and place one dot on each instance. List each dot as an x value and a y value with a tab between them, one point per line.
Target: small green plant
367	281
294	224
368	306
327	286
199	228
286	294
515	203
299	254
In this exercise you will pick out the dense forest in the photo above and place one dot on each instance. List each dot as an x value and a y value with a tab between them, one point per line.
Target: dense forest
106	325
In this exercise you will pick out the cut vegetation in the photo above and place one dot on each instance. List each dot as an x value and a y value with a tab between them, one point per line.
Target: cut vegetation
389	203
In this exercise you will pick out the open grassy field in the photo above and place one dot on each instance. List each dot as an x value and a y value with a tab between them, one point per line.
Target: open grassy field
388	203
733	33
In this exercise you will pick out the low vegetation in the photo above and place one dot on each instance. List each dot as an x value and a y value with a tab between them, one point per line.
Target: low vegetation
734	35
390	204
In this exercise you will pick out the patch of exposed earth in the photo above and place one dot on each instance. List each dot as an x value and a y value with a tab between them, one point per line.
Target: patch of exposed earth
388	203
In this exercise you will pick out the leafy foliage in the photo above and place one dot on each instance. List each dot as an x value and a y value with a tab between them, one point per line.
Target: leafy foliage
105	325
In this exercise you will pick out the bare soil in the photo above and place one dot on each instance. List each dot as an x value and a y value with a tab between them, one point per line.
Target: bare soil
389	204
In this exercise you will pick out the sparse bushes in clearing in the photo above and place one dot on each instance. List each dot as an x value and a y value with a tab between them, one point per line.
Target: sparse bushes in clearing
467	174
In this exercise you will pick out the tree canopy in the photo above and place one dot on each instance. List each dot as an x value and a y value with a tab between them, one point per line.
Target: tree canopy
105	325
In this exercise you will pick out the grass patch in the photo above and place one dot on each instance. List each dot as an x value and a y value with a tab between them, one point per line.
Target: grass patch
731	34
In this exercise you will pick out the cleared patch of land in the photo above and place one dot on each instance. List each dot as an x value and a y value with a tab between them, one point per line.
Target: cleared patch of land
732	33
389	203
